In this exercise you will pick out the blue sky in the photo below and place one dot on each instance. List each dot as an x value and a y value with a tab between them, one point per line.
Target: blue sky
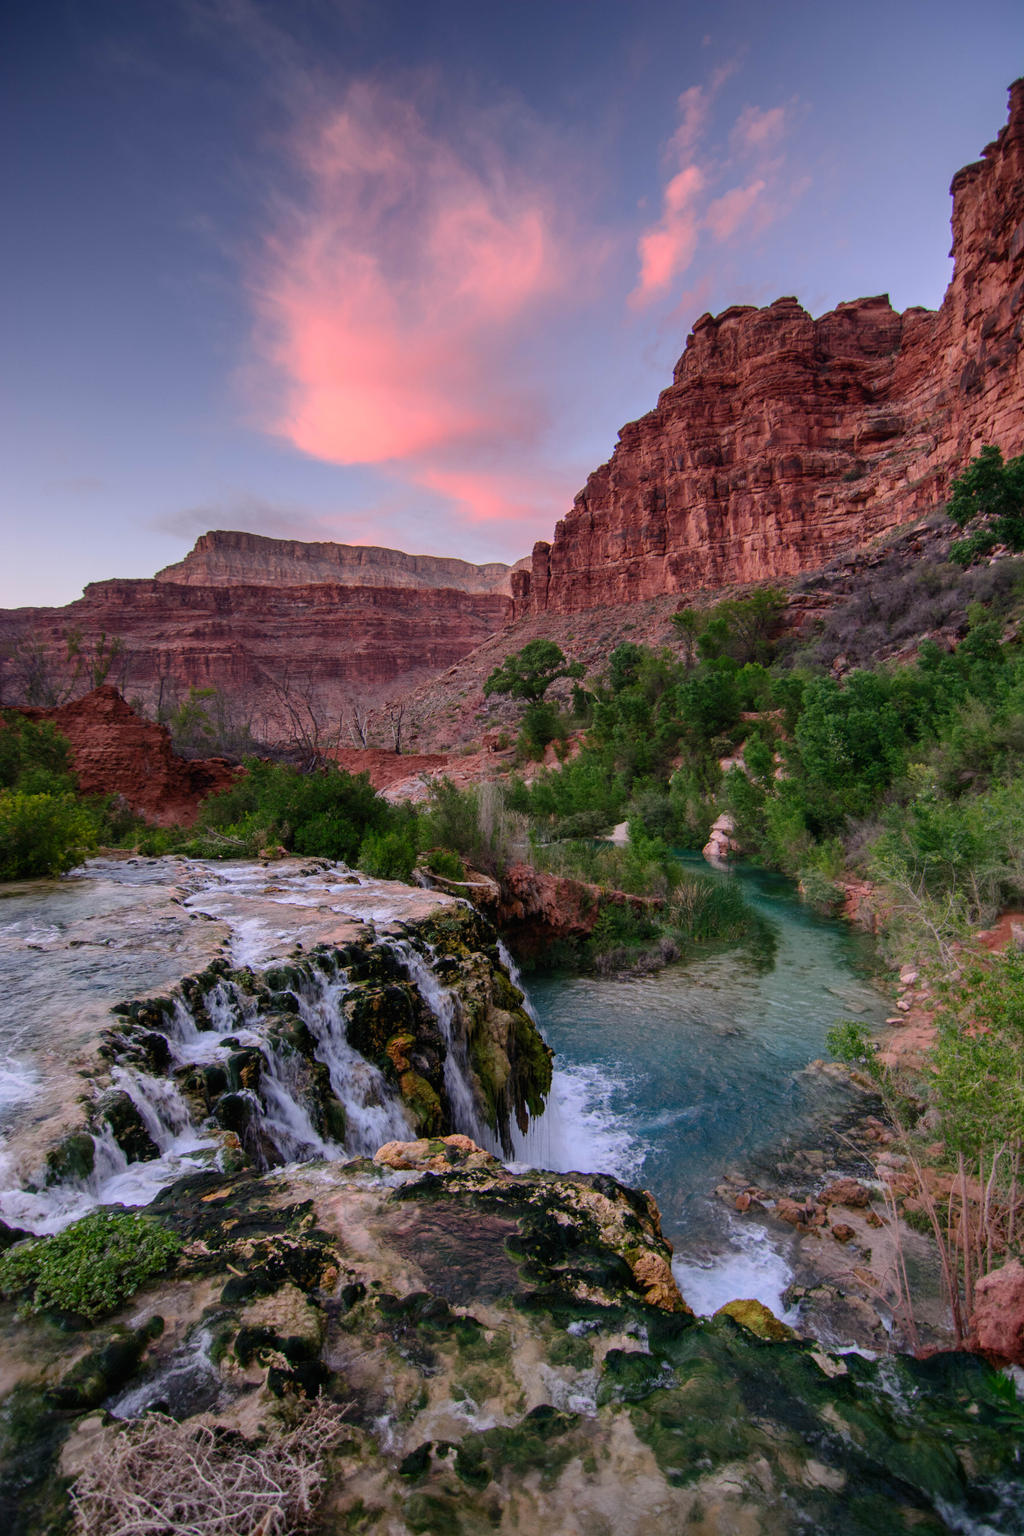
396	273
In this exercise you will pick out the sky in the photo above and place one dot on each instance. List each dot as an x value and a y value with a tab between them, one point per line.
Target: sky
397	271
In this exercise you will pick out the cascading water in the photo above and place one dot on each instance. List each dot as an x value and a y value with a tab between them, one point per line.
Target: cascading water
236	1035
443	1005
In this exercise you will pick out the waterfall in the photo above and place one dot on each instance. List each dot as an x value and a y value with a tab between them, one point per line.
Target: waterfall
373	1114
444	1005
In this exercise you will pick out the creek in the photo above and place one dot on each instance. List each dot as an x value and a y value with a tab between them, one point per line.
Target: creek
671	1080
667	1081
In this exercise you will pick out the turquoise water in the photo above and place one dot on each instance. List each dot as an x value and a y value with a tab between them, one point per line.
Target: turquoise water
671	1080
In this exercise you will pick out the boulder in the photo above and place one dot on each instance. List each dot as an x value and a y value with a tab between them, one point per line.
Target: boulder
997	1322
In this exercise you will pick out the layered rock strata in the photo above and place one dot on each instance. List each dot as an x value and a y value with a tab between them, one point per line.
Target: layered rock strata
783	439
255	643
225	558
116	752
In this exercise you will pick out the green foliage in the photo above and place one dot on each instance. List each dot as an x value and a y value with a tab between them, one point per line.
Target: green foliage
988	498
91	1268
529	673
978	1060
34	757
850	1042
446	864
43	834
328	813
388	855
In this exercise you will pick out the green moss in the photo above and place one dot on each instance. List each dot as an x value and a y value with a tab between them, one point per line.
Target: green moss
90	1268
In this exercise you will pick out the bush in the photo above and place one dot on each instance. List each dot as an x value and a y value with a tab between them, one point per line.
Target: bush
387	855
43	834
34	757
90	1268
445	864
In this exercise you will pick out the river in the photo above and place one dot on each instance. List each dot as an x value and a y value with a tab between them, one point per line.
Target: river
673	1079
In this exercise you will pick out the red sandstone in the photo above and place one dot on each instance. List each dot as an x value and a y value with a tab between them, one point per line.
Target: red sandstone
117	752
784	440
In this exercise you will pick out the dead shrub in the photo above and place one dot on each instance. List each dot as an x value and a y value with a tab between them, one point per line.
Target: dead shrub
162	1478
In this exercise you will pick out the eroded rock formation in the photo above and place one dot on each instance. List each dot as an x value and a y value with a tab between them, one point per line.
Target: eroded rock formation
256	642
783	439
117	752
227	559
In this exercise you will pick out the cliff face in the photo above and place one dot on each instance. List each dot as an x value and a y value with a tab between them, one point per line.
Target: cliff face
783	440
117	752
254	641
222	559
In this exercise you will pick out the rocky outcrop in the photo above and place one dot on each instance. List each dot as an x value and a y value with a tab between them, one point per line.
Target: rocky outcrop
997	1322
116	752
233	559
783	439
261	645
497	1352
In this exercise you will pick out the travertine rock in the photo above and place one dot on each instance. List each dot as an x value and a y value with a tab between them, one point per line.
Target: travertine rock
783	440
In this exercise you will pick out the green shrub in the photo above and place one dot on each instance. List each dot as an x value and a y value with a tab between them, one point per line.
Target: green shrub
34	757
446	864
43	834
387	855
90	1268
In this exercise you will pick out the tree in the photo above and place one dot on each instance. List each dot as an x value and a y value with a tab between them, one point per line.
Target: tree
989	494
529	673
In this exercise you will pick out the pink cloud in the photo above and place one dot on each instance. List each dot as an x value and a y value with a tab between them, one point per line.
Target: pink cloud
532	500
691	216
389	298
756	130
725	215
667	248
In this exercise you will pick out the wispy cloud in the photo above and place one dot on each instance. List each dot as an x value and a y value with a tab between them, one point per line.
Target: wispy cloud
694	212
397	294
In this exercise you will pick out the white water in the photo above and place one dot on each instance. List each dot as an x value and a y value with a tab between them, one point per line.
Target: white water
281	1112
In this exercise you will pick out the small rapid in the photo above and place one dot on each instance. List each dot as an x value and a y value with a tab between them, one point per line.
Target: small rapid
257	1063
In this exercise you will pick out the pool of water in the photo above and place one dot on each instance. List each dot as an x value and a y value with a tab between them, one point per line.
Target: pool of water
671	1080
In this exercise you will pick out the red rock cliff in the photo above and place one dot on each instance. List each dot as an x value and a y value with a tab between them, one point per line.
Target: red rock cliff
783	440
247	640
116	752
236	559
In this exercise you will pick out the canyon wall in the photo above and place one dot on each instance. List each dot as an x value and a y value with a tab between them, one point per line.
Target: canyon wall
784	440
252	641
223	558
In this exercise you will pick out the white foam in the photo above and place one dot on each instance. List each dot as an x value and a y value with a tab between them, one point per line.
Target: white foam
750	1269
580	1131
18	1082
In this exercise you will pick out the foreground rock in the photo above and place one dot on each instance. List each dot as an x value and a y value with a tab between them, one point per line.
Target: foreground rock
499	1353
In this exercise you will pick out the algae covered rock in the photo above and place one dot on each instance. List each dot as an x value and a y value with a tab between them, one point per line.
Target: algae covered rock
757	1319
487	1351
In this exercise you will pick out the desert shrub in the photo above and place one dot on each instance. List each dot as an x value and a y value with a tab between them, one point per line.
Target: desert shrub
90	1268
43	834
446	864
34	757
388	855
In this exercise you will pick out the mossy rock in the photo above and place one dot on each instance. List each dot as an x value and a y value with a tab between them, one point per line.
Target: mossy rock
117	1109
757	1319
74	1157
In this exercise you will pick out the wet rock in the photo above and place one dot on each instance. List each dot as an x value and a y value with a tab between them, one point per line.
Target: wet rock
118	1111
757	1319
997	1322
845	1192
